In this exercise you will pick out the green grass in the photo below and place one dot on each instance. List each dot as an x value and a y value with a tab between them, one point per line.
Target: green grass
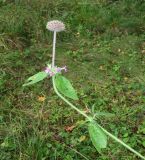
106	64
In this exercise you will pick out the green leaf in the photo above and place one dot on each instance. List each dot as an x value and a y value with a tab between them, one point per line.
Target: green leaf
64	86
103	114
36	78
98	137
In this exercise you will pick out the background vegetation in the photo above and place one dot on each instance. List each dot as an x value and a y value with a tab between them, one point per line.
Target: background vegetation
104	49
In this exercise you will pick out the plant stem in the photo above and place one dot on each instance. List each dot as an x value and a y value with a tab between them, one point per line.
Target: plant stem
70	104
121	142
53	51
91	120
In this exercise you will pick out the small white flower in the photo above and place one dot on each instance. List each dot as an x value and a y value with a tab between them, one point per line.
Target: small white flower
55	26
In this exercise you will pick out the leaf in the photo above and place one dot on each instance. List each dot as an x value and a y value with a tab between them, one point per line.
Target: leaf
36	78
98	137
103	114
64	86
143	143
8	143
82	138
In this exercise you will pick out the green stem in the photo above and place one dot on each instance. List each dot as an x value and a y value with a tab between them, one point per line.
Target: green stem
121	142
70	104
91	120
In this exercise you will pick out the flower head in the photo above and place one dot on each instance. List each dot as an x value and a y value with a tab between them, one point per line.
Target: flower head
55	25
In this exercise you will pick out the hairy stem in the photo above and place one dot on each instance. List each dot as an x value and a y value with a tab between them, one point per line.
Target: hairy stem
53	51
91	120
70	104
121	142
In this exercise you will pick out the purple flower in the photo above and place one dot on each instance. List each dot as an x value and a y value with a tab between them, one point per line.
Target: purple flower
65	69
53	71
58	69
52	74
47	70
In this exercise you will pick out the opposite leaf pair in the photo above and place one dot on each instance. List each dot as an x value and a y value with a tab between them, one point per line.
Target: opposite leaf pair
49	71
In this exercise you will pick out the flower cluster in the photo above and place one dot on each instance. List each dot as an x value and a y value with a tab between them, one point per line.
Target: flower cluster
52	71
55	26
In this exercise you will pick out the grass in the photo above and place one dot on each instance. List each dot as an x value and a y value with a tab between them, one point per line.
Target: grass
105	59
